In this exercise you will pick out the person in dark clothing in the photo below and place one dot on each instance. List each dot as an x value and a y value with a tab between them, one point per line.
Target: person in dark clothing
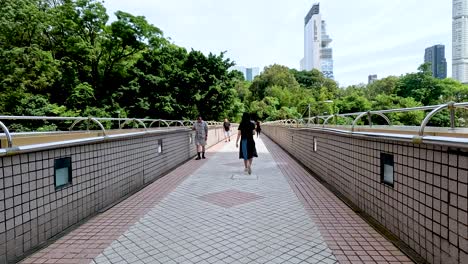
227	130
258	128
247	148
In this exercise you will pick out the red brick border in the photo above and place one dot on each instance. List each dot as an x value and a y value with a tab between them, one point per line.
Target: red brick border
351	239
87	241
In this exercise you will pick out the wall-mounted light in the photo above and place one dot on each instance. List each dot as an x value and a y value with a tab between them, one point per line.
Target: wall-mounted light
315	144
160	146
62	172
386	169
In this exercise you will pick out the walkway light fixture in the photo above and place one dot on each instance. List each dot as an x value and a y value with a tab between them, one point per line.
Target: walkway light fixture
62	172
386	169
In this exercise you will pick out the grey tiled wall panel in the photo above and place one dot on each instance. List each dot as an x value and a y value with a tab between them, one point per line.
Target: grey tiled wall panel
427	206
32	210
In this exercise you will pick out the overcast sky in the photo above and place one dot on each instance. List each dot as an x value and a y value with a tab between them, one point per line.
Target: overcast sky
369	36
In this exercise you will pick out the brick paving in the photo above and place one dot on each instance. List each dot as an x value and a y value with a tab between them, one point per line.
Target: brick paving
348	235
83	244
220	215
210	212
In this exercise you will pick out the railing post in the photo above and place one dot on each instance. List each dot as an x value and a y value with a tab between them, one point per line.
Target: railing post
451	108
99	124
428	117
7	134
369	117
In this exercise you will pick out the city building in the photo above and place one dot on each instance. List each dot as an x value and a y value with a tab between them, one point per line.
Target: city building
317	51
460	40
435	55
326	53
249	73
372	78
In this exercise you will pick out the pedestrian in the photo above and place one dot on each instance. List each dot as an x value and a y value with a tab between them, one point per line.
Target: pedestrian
258	128
201	136
227	130
247	148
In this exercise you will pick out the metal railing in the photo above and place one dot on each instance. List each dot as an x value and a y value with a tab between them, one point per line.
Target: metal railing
356	117
122	122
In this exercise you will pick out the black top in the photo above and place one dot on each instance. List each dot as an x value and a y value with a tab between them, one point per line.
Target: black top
246	130
226	125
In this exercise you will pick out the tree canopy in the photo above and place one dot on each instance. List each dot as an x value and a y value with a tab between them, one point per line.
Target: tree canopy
66	58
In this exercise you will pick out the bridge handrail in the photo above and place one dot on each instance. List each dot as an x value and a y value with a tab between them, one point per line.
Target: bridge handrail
7	133
98	121
451	106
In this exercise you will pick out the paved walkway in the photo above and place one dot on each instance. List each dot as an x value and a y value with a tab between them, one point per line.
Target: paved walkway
209	211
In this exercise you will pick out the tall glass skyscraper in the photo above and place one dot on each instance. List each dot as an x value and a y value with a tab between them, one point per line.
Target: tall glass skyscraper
435	55
326	53
460	40
317	52
249	73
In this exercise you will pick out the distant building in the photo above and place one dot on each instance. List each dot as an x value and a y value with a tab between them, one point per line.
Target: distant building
317	52
372	78
460	40
326	53
435	55
249	73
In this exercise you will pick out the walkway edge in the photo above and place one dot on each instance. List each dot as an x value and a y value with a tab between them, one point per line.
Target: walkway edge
413	255
40	252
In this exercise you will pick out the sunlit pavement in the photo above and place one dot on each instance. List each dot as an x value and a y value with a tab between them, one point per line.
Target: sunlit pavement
209	211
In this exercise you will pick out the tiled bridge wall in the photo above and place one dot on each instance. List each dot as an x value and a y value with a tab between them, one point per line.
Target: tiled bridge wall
427	205
33	211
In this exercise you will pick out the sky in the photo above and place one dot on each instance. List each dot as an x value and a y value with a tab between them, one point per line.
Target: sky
369	36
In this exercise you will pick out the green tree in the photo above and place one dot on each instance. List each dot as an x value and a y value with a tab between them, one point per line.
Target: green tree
316	81
273	75
386	86
353	102
421	86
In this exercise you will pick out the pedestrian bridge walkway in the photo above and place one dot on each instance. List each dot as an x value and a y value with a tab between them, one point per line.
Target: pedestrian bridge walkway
209	211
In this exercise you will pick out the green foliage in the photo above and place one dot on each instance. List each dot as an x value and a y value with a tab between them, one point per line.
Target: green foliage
421	86
281	93
278	95
386	86
64	58
273	75
314	80
354	102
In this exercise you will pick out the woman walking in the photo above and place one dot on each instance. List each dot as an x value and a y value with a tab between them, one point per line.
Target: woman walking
247	149
258	128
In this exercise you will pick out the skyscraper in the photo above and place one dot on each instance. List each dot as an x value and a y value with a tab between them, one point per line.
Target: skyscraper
371	78
460	40
317	53
435	55
326	53
249	73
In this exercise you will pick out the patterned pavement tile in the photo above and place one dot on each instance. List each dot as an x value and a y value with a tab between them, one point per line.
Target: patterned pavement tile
211	218
89	240
351	239
229	198
207	213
